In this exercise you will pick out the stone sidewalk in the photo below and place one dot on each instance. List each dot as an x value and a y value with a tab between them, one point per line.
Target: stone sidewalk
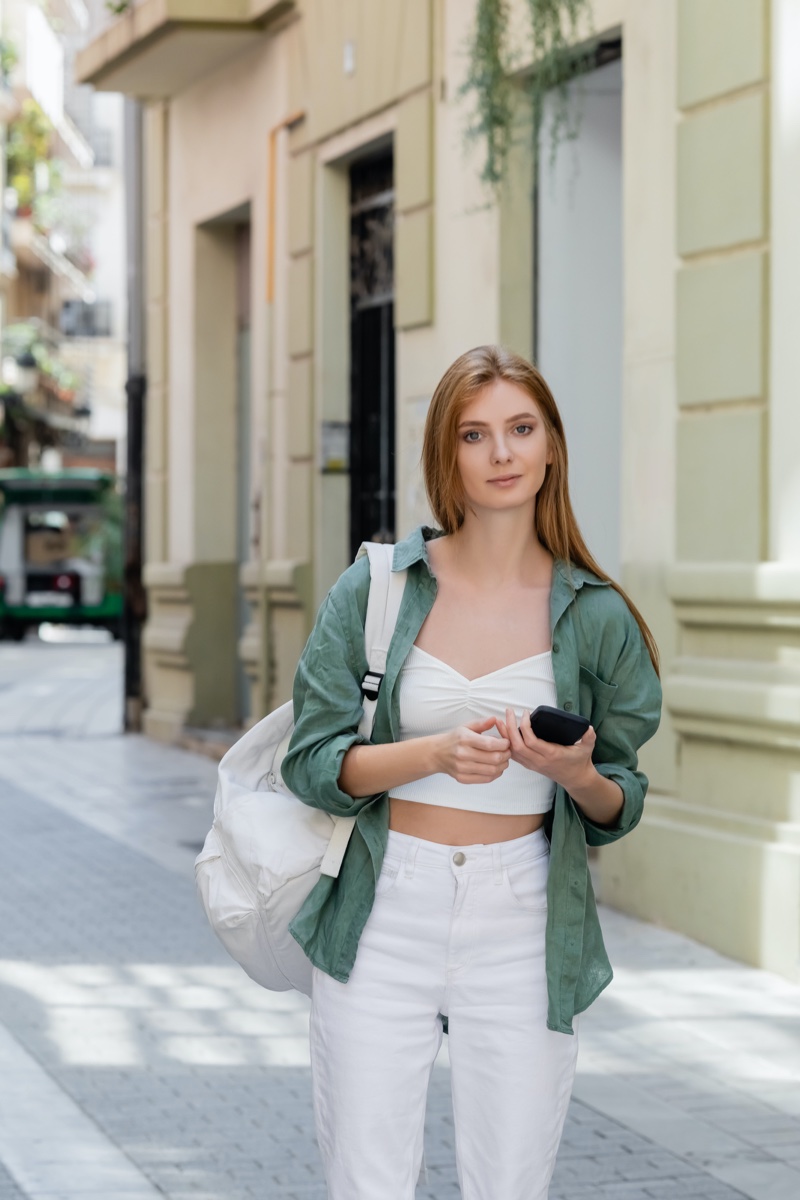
68	686
140	1062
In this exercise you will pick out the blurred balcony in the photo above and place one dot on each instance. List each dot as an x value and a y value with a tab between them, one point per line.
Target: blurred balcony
9	106
158	48
81	320
40	70
33	250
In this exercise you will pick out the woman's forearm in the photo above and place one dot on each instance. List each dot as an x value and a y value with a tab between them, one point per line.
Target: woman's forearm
367	770
599	798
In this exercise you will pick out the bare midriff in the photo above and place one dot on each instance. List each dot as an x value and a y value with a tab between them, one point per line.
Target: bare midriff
458	826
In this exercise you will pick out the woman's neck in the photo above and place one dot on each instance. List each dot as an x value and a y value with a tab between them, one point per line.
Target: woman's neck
500	553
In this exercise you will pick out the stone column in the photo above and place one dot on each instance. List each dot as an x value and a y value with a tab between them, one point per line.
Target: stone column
721	860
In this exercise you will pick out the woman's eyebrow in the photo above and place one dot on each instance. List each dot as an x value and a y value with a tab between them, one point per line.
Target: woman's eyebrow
484	424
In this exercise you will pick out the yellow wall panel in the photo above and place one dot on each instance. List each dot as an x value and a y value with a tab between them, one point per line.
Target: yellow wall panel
301	316
721	176
301	203
721	330
412	53
300	409
721	46
215	452
155	141
737	894
299	488
157	345
413	152
360	56
414	268
720	486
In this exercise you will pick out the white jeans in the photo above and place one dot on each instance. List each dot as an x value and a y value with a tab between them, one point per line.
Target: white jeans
455	930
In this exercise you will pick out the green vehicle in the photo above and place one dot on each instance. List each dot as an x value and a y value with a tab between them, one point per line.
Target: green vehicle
60	550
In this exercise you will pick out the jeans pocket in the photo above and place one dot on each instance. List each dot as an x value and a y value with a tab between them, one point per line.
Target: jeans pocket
526	884
387	879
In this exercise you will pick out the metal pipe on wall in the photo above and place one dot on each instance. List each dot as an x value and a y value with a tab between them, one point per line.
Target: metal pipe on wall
134	596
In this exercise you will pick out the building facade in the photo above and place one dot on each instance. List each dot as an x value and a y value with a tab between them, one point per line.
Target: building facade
320	248
62	268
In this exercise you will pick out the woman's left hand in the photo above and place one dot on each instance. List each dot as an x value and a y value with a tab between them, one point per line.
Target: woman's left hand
569	766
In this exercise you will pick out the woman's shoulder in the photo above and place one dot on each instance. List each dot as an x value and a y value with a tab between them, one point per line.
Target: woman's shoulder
350	592
601	598
604	614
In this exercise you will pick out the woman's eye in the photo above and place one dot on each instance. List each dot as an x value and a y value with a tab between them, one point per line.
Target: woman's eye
468	436
527	428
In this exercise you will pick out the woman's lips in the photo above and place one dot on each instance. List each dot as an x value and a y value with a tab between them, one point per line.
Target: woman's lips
504	480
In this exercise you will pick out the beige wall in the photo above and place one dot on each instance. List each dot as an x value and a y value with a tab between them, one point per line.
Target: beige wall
719	857
465	272
208	154
711	482
219	137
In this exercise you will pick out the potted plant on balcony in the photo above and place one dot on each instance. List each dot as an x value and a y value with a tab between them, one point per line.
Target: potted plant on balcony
27	146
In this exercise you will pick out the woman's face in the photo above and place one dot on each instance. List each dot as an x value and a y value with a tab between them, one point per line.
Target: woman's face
503	448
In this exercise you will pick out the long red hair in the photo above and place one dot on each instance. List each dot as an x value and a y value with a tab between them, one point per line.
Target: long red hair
556	527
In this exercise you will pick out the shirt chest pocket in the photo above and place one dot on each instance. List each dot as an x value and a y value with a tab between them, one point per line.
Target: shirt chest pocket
594	696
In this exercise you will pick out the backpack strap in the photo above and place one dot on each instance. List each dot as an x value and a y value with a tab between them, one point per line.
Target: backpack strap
385	594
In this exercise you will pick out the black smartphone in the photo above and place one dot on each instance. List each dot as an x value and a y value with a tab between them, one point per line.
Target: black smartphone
557	725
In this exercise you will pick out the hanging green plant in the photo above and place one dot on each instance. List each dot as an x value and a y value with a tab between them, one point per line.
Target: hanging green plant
500	71
8	58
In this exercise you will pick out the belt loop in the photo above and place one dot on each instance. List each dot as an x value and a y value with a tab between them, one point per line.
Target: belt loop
497	862
411	858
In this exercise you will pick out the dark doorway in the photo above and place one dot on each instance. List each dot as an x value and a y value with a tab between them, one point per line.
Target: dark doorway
372	400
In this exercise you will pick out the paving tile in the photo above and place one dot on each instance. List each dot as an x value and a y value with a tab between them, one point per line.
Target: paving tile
116	991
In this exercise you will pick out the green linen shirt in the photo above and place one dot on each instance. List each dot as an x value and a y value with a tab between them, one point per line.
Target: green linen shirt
602	670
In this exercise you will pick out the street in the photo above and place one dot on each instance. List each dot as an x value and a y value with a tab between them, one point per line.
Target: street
140	1062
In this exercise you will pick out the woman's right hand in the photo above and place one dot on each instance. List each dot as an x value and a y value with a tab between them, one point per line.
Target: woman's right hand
469	756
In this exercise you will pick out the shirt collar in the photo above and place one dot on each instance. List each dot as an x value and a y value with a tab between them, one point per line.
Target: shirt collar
576	577
413	549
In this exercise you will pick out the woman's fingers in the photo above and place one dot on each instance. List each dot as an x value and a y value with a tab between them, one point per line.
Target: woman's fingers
470	755
476	774
482	725
526	733
487	745
514	734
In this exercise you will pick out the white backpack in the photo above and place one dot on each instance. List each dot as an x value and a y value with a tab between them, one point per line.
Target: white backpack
267	849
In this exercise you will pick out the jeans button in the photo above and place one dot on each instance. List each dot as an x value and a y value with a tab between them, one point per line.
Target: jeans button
459	859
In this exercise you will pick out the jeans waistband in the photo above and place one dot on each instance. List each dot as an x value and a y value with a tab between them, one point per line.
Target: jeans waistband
480	857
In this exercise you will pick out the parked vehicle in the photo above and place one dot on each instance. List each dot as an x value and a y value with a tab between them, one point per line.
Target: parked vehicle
60	550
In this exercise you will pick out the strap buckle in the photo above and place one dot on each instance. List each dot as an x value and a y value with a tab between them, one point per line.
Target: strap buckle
371	685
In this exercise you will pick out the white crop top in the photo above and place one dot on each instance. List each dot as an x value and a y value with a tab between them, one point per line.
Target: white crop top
434	698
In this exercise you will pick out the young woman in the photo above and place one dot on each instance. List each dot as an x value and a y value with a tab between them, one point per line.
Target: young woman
464	896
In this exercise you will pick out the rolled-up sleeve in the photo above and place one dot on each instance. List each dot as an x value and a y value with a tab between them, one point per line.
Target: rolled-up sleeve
631	720
327	712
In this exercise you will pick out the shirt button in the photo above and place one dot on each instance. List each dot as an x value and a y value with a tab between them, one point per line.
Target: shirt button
459	859
568	706
555	647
